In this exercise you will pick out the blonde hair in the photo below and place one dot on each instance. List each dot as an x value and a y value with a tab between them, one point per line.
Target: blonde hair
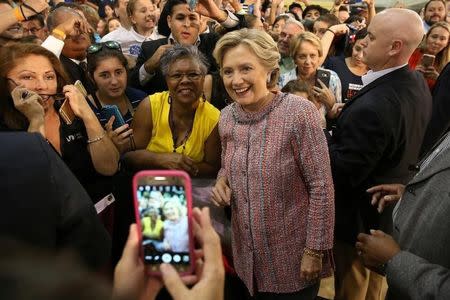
305	37
259	42
443	57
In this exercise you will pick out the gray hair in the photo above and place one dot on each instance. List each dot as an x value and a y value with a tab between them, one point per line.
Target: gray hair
295	22
179	52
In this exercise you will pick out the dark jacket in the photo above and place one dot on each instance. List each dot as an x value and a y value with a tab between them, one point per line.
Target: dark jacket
376	140
43	204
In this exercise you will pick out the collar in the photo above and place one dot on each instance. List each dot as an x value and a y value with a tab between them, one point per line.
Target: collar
78	61
372	76
171	40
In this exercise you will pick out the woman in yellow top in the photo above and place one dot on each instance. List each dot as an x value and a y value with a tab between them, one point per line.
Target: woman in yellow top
152	225
177	129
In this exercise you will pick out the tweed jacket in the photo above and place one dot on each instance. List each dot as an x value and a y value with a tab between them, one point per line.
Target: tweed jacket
277	164
421	271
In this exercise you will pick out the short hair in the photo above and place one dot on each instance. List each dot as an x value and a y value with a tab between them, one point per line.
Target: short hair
178	52
330	19
319	8
163	27
298	86
353	38
39	17
305	37
52	19
91	15
259	42
294	5
281	17
250	19
428	3
295	22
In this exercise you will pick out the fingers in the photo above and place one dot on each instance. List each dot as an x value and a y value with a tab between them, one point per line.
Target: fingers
173	281
131	250
108	125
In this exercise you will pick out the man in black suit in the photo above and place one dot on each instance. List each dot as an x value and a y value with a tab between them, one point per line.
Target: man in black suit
377	138
44	205
182	26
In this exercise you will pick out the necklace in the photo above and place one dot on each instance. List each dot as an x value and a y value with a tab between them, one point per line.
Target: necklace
174	136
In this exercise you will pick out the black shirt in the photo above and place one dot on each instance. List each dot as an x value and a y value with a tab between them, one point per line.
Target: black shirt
350	82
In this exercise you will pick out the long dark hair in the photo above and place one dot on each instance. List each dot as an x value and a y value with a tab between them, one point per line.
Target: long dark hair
10	57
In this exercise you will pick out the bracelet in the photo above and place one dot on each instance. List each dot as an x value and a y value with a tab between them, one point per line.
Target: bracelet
59	34
313	253
328	29
18	14
99	138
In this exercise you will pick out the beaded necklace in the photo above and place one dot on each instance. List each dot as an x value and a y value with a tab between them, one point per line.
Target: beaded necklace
175	137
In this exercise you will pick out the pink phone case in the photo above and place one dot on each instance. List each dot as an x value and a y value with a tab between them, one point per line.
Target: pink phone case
188	192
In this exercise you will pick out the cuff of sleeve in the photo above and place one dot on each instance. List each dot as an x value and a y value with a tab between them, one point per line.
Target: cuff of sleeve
144	76
231	20
53	44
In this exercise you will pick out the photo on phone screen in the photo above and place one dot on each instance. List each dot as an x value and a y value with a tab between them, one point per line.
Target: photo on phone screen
163	209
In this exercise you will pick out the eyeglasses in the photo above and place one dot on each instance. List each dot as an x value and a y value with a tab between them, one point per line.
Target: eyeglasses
192	76
99	46
56	96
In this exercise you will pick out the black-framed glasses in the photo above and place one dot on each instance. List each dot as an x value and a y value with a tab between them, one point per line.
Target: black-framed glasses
192	76
94	48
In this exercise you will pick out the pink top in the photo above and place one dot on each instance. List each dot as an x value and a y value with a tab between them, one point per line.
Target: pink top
279	171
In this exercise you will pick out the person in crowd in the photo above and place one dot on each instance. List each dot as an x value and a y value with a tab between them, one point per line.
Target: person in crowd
32	80
64	216
350	67
181	26
313	12
267	140
377	137
434	11
14	32
10	16
131	282
152	225
69	39
35	25
175	227
299	88
306	51
416	263
253	22
323	23
109	12
296	8
120	9
440	121
143	20
278	25
356	22
113	24
436	43
177	129
290	30
108	69
101	28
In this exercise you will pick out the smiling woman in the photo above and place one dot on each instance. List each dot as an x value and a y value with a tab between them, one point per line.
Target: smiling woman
177	129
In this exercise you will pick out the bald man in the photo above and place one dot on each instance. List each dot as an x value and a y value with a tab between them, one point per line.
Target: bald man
376	140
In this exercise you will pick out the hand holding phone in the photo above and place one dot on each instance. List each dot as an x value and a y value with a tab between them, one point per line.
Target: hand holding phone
324	76
66	112
427	60
108	111
163	207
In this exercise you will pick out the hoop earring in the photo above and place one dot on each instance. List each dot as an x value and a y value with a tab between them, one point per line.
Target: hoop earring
170	99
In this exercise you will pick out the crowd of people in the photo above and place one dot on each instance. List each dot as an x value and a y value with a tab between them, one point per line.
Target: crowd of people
323	133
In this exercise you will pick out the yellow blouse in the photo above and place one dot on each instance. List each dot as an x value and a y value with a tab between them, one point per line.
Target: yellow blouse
147	230
205	119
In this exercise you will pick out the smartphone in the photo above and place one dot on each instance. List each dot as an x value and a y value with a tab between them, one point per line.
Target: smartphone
80	88
112	110
324	76
427	60
192	4
66	112
163	208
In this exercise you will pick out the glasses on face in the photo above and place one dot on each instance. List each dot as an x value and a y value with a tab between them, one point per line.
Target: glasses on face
192	76
99	46
56	96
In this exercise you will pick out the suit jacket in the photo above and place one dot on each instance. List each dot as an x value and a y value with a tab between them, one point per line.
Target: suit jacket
158	82
75	73
377	137
440	117
43	204
422	229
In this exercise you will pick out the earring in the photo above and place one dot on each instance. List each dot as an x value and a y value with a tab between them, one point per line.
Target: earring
204	97
170	99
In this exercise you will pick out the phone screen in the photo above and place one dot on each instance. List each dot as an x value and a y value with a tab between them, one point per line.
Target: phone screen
163	215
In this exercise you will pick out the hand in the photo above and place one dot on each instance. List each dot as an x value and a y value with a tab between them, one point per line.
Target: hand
276	3
369	3
339	29
221	192
385	194
28	103
376	249
152	64
431	73
179	161
37	5
130	281
310	267
209	8
211	273
324	95
335	111
78	103
121	136
75	26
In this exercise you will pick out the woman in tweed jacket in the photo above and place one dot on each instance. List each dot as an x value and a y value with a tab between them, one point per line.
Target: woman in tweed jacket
275	174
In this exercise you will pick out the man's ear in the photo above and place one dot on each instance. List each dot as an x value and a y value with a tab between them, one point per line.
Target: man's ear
396	47
169	18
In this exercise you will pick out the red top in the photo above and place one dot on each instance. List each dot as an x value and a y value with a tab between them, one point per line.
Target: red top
414	60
